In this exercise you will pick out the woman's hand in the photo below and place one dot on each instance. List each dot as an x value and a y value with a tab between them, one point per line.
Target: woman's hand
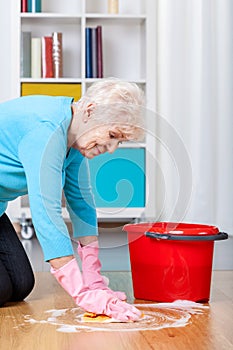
96	301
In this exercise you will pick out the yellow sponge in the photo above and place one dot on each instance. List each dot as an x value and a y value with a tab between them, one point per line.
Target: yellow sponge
92	317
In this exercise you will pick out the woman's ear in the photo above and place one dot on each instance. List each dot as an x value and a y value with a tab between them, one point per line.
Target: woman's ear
88	112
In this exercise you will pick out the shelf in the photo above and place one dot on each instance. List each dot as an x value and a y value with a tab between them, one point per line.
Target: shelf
106	18
72	80
141	17
102	213
51	80
119	213
48	15
55	17
137	81
131	144
70	18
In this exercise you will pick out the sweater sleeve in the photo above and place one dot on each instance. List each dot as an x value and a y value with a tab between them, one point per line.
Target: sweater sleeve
79	197
42	153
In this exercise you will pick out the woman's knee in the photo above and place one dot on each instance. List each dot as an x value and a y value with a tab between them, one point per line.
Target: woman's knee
6	290
23	288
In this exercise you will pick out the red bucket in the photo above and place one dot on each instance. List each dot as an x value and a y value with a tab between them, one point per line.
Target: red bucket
171	261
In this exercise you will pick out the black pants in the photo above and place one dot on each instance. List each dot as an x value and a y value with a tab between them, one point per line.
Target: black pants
16	275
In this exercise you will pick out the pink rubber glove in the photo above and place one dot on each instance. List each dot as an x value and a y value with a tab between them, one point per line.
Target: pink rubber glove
91	267
96	301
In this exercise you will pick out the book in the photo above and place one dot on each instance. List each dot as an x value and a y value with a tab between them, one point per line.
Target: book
99	52
52	89
113	6
34	5
57	55
88	48
36	58
47	56
24	5
25	54
94	52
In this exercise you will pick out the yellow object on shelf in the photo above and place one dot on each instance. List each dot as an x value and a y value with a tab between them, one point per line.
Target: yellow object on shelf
113	6
52	89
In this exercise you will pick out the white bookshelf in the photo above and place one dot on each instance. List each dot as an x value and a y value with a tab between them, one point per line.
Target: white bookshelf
128	53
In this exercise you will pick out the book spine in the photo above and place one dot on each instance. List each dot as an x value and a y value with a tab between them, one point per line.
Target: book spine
113	6
94	52
34	5
25	55
24	5
99	52
57	55
36	58
47	56
88	45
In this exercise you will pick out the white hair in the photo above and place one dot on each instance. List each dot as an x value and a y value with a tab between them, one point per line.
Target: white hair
120	103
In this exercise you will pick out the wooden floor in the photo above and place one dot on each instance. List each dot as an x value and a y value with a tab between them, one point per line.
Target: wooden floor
28	325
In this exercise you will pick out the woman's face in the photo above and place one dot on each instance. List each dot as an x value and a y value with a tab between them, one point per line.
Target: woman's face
98	140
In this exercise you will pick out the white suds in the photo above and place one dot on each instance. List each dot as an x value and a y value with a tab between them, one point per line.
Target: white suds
156	316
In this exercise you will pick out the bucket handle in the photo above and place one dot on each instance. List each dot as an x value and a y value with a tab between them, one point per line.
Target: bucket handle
171	237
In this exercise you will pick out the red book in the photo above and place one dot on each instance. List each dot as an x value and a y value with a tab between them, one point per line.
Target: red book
24	6
99	52
47	57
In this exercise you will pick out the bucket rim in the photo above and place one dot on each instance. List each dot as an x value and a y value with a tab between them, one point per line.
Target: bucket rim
175	228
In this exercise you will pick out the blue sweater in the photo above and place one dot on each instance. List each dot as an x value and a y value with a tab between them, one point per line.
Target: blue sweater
34	160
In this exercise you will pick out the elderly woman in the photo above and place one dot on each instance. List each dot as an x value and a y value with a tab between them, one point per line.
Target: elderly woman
44	145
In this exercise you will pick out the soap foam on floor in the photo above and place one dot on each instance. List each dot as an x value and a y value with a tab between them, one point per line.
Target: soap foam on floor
156	316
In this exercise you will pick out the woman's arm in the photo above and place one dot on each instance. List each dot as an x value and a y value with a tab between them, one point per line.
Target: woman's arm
79	198
42	152
59	262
